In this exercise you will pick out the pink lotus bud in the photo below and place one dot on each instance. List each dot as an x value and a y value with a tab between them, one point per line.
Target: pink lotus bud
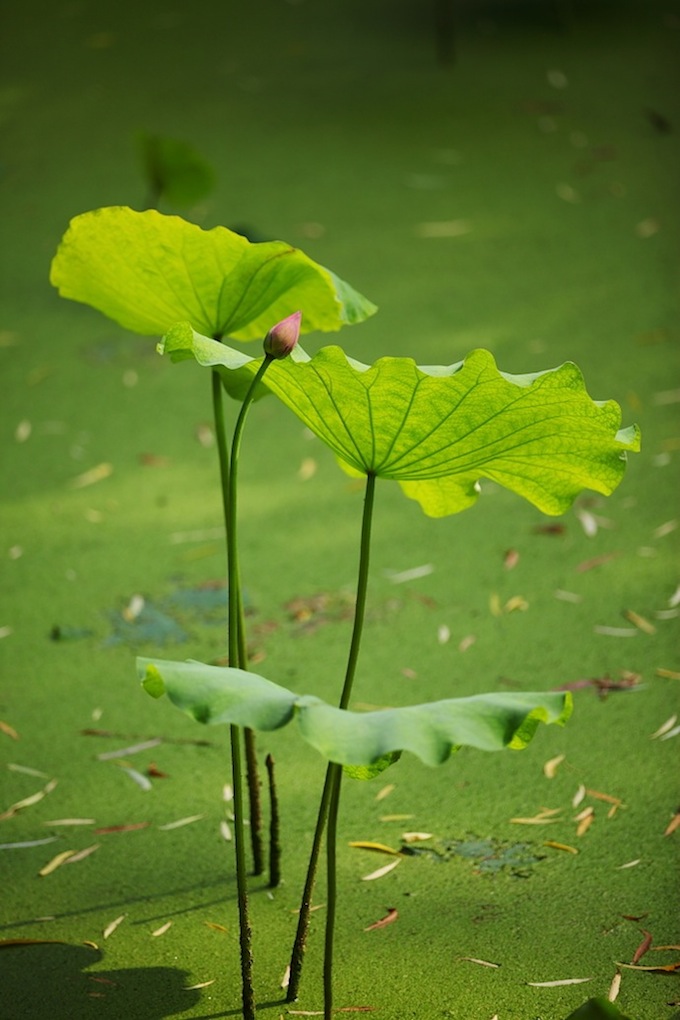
282	338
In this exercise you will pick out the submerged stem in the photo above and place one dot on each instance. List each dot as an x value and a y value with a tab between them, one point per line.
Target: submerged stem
328	807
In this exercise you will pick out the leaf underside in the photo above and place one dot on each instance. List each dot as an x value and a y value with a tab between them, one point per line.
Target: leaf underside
438	430
490	722
146	270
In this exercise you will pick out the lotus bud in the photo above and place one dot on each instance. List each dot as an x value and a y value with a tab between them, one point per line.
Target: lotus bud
282	338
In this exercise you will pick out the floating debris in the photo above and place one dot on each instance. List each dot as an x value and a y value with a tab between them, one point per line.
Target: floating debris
381	871
55	863
110	928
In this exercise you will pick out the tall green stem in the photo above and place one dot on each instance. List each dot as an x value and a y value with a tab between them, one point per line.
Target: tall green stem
234	657
241	658
328	807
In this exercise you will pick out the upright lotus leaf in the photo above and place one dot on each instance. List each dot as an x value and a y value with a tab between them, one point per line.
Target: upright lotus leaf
175	171
438	430
490	722
146	271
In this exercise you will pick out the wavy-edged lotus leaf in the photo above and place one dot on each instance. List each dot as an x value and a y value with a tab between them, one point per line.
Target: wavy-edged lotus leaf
365	772
490	722
147	270
438	429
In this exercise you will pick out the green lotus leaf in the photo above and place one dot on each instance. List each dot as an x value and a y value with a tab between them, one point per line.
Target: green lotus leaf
365	772
175	171
438	430
146	271
490	722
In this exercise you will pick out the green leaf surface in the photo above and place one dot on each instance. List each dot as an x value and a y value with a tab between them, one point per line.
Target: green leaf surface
490	722
147	271
365	772
597	1009
438	430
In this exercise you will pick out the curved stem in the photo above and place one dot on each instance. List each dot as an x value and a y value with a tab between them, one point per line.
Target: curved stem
241	658
328	797
331	890
235	640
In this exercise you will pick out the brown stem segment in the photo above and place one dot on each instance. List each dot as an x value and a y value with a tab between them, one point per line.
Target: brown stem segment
274	844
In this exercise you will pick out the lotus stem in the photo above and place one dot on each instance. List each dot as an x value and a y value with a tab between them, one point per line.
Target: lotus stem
274	844
330	797
253	779
235	649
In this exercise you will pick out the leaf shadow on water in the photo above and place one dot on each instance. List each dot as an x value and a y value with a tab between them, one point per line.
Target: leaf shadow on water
52	980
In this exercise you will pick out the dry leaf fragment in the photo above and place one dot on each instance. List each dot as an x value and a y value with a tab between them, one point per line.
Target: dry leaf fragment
307	469
381	871
667	968
391	916
578	796
536	820
671	733
385	792
25	769
614	987
567	596
673	824
561	846
665	727
215	926
621	632
82	854
380	848
516	603
35	798
201	984
70	821
400	577
510	559
668	674
544	817
557	984
415	837
605	796
56	862
466	642
585	824
665	529
443	228
596	561
110	928
474	959
121	828
180	822
395	818
550	767
125	752
8	730
640	621
285	980
643	947
139	778
95	474
162	930
629	864
28	843
443	634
